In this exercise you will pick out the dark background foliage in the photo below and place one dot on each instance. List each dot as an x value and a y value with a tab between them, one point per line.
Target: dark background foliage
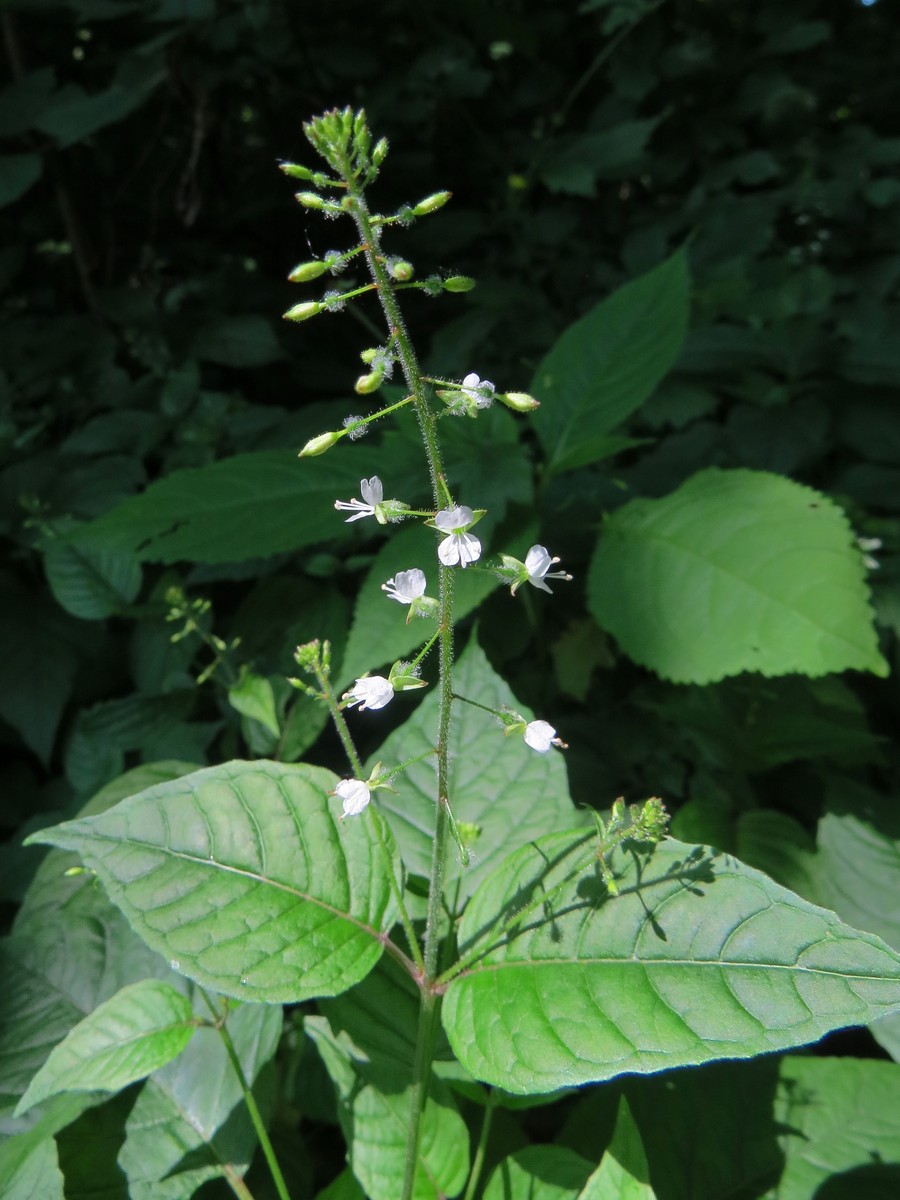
146	238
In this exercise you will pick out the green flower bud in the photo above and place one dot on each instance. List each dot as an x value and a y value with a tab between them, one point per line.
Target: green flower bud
366	384
369	355
379	154
431	204
318	445
518	401
306	272
295	171
459	283
401	270
302	312
311	200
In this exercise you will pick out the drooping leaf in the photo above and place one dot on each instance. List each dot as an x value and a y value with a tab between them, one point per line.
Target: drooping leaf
539	1173
241	341
243	877
608	363
497	784
699	958
141	1028
735	571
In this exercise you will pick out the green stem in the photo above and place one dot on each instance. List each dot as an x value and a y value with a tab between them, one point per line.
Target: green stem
236	1183
429	1006
252	1108
481	1149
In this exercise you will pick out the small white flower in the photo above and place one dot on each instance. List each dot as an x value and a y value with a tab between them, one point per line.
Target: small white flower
372	692
406	586
537	563
479	391
372	495
355	795
540	736
458	547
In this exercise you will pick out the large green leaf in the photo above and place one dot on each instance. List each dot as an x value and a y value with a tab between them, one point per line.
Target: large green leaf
607	364
241	341
189	1122
508	791
245	879
735	571
36	1176
239	508
91	582
141	1028
699	958
839	1131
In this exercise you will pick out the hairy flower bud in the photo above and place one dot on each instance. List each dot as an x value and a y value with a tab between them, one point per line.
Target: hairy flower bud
366	384
459	283
295	171
306	272
379	154
318	445
430	204
311	200
400	269
518	401
302	312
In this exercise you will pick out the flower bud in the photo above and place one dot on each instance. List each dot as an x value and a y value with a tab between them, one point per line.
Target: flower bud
306	272
401	270
403	678
366	384
310	200
368	356
295	171
431	204
318	445
379	154
518	401
459	283
302	312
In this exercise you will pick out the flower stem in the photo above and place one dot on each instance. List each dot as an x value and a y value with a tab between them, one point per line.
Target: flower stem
429	1003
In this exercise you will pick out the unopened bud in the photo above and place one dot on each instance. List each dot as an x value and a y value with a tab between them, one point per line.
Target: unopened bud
518	401
379	154
311	200
306	272
430	204
366	384
295	171
369	355
459	283
318	445
302	312
401	270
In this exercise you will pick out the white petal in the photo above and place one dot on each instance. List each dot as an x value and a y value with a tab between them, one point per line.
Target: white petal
538	561
448	550
355	795
371	490
539	735
469	548
471	380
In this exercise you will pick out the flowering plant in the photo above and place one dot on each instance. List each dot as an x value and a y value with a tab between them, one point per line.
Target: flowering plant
466	935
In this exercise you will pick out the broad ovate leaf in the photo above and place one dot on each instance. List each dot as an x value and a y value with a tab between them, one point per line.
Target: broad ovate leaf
735	571
245	879
138	1030
700	957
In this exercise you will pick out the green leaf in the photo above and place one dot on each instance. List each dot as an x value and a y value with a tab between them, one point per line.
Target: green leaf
76	115
37	1175
375	1028
379	634
497	783
243	341
18	173
244	878
539	1173
138	1030
623	1173
608	363
735	571
839	1132
574	163
699	958
252	697
242	507
91	582
189	1123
